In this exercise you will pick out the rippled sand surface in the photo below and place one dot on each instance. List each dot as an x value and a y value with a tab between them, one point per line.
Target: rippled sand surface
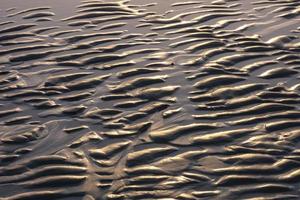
149	100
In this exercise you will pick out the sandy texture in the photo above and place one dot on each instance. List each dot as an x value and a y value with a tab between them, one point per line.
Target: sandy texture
149	100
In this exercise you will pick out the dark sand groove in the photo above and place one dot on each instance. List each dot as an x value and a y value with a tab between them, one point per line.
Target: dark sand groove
141	100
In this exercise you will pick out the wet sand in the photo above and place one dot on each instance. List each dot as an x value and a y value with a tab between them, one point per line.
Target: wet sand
149	100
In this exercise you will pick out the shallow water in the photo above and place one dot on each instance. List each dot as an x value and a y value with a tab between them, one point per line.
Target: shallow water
135	99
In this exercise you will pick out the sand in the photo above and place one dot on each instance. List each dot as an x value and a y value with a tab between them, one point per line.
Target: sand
149	100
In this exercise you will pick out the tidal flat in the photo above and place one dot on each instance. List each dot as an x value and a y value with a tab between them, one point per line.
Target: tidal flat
149	100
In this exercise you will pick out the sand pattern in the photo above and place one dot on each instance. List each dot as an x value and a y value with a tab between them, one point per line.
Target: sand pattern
150	100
